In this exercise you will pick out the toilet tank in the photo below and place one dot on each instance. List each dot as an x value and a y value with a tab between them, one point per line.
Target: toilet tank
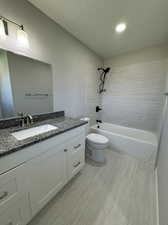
87	126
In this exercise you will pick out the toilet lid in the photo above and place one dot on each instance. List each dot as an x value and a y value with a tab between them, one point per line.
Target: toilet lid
97	138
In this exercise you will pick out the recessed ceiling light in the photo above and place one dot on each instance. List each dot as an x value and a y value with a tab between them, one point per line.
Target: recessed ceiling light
120	27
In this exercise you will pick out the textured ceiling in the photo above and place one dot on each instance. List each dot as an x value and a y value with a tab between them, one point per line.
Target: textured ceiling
93	22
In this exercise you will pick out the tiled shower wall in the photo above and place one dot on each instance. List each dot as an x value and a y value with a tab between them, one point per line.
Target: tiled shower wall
135	88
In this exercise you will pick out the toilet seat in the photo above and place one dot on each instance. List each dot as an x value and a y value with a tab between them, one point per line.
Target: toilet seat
96	139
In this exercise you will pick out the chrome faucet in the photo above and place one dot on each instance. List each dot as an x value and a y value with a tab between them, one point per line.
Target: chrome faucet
22	119
26	119
29	119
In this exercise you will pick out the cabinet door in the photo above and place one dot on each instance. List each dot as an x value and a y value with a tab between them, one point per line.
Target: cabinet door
76	156
13	207
11	216
46	177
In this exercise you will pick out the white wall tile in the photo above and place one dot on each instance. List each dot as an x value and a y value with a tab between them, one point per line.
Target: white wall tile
134	95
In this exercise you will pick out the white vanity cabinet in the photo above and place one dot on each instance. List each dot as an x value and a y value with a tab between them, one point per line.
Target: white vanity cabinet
41	171
49	172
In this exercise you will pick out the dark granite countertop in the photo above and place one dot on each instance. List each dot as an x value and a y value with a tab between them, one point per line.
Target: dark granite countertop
9	144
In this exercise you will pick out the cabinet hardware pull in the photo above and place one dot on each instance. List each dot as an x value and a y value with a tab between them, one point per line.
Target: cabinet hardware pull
5	193
77	146
77	164
65	150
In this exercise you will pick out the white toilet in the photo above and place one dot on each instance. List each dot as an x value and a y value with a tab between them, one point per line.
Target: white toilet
95	145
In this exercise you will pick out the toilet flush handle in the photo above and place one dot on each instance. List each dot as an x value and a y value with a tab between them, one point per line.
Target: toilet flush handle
77	146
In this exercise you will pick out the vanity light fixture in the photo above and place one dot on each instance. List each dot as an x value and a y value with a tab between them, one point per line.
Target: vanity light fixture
22	36
2	29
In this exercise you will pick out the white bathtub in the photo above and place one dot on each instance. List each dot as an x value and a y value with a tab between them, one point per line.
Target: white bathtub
138	143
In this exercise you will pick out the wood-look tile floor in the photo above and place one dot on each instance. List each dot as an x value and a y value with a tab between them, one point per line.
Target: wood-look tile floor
120	193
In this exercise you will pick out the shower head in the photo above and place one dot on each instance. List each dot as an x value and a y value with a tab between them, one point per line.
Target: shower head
104	70
107	70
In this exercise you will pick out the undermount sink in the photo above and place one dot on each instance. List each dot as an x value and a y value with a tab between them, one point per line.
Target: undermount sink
23	134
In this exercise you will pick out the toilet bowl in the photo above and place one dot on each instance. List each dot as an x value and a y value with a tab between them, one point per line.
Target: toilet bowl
95	147
95	144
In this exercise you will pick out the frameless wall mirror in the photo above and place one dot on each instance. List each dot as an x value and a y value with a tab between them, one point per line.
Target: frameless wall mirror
25	85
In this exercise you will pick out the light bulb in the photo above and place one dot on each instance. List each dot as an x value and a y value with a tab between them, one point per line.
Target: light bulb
22	38
120	27
2	30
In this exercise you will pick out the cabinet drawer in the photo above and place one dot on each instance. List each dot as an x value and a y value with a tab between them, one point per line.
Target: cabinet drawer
76	160
76	156
8	190
77	144
77	153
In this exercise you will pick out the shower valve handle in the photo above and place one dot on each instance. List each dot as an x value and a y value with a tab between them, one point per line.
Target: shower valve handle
98	108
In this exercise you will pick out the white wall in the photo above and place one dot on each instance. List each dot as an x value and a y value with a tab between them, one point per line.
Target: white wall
74	65
163	170
166	86
135	88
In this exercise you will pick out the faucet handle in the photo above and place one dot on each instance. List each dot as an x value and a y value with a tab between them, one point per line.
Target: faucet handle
99	121
22	119
98	108
21	114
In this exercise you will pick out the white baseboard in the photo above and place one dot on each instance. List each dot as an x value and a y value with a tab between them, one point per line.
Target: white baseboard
157	200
